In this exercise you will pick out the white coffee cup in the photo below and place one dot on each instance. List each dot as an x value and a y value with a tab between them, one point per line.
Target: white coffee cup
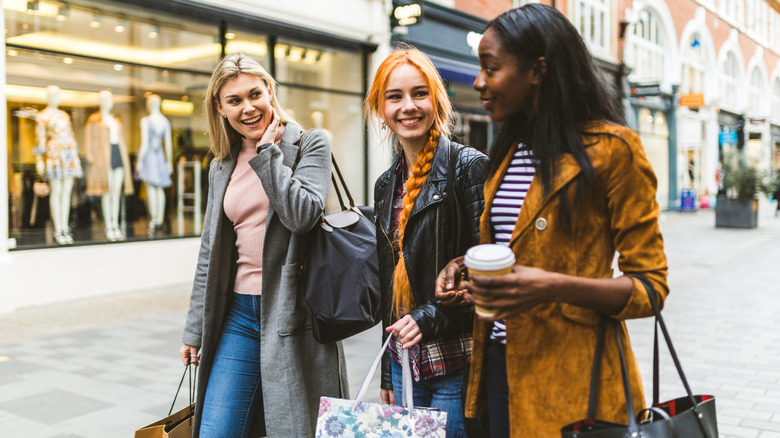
488	259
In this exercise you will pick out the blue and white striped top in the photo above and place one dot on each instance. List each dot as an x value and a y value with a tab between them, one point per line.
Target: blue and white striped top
506	208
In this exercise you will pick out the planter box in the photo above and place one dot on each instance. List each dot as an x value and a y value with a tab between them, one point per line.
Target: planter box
736	213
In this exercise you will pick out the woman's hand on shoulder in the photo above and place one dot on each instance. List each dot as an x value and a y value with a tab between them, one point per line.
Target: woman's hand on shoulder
448	289
513	293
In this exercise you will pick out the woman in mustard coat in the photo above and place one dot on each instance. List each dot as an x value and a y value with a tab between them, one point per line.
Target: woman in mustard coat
569	187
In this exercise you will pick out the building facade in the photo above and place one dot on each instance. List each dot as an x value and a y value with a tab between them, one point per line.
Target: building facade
700	78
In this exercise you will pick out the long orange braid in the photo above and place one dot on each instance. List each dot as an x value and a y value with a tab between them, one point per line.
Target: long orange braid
403	300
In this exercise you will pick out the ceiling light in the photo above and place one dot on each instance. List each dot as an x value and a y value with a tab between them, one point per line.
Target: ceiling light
67	60
121	26
230	35
63	12
97	21
12	53
154	32
119	67
32	6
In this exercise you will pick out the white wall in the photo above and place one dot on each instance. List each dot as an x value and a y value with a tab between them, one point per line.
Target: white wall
46	276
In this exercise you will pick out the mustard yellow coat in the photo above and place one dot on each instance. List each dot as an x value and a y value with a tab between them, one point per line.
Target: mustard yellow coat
550	348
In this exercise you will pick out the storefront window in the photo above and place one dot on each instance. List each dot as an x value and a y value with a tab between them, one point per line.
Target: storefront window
68	64
323	88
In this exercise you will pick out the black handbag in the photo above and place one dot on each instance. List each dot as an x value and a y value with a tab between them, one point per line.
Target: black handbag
340	273
692	416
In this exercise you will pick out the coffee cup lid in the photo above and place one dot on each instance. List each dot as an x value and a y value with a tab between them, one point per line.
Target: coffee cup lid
489	257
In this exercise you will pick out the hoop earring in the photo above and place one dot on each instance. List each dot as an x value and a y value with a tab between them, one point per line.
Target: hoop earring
384	125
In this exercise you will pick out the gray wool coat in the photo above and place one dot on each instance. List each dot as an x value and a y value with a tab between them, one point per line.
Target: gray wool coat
296	369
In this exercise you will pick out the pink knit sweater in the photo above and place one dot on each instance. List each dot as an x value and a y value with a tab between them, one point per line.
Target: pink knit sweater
246	205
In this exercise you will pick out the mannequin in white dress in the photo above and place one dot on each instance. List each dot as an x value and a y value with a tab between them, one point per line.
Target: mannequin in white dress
155	165
57	161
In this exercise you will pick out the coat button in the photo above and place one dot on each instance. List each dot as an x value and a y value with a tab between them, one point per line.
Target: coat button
436	197
541	224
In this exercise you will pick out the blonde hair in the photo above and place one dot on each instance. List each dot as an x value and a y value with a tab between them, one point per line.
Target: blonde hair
403	298
221	134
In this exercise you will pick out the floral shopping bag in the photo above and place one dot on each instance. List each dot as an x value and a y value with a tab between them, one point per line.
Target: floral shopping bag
357	419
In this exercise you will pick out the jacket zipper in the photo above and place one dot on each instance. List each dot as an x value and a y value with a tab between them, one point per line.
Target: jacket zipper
436	248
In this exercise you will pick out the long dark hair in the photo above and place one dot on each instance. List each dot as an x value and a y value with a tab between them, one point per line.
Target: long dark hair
572	94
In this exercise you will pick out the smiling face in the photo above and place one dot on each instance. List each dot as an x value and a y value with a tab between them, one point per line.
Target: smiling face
407	107
245	100
504	87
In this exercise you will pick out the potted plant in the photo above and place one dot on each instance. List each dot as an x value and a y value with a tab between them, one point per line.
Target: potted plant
737	205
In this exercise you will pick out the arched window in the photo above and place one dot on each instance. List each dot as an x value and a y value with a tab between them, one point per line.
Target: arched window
693	65
776	99
645	51
756	89
730	81
591	18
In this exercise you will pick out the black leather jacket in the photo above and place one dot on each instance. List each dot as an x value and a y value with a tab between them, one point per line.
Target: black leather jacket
443	224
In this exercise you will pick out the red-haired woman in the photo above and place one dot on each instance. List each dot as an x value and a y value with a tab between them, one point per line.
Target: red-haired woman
427	205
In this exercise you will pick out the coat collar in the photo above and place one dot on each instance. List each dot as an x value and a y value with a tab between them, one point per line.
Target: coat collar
535	201
432	191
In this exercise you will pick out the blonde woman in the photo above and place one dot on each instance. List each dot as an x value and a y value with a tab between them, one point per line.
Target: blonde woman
427	208
246	328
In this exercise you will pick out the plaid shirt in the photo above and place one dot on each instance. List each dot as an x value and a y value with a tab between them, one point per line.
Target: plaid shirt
438	357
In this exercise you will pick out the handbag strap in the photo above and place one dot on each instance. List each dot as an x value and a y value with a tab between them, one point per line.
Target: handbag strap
187	370
659	321
633	425
595	379
406	394
332	177
595	376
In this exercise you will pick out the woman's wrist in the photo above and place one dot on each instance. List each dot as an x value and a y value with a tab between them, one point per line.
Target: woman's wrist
263	147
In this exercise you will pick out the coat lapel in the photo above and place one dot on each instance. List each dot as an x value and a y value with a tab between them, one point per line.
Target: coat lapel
535	201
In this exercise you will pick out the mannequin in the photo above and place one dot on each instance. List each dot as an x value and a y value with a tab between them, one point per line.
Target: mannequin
58	162
317	119
154	165
109	167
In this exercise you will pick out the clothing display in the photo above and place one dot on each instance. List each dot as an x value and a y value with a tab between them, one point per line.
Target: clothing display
55	141
98	153
154	168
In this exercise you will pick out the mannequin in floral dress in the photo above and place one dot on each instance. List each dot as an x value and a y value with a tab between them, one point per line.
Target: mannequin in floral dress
57	161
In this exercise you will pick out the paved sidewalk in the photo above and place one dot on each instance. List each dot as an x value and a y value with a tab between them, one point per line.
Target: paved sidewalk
106	366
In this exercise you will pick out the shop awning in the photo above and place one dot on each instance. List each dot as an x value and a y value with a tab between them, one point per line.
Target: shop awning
456	71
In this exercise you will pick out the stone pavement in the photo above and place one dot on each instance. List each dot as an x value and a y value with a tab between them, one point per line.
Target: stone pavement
106	366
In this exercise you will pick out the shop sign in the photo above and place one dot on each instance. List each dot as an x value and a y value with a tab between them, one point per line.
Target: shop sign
692	100
727	136
644	90
406	13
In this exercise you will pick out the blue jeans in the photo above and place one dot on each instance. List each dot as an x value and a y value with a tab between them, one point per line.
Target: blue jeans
234	393
443	393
